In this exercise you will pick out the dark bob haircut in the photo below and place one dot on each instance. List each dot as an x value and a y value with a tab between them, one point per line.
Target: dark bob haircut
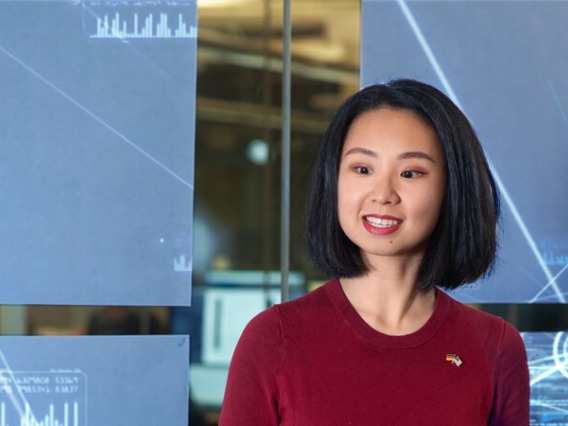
463	245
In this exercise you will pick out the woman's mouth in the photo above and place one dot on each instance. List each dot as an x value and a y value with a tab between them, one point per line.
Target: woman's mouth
381	225
382	222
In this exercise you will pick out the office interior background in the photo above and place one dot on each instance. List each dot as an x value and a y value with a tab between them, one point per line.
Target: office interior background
238	181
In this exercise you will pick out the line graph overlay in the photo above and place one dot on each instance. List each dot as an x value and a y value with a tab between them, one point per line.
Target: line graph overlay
65	405
46	398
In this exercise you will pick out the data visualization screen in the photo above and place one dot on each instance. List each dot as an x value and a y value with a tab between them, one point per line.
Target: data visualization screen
548	366
43	398
94	380
502	63
97	151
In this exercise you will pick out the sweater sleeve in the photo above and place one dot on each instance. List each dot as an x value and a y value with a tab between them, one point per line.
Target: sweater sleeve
512	388
251	395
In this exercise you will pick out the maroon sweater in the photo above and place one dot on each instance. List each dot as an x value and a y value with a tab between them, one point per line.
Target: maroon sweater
314	361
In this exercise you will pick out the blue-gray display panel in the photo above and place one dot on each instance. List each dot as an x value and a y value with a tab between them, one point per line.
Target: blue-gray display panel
97	151
548	365
94	380
504	63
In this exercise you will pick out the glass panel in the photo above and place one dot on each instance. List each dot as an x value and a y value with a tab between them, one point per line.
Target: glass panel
238	173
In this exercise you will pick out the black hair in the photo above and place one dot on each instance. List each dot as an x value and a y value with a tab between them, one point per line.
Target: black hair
463	245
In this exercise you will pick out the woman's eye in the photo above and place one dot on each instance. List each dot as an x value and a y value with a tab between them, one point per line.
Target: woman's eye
411	174
362	170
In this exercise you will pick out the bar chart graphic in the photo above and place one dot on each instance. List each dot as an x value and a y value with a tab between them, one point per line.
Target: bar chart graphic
52	398
149	26
50	419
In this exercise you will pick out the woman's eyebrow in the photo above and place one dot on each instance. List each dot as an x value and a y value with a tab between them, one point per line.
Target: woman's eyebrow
364	151
403	156
416	154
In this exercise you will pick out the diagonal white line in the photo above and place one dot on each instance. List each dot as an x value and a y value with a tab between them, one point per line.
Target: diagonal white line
449	90
19	392
542	290
526	233
541	403
96	118
557	102
547	373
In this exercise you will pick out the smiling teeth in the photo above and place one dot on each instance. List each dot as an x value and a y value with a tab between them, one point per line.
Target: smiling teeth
382	223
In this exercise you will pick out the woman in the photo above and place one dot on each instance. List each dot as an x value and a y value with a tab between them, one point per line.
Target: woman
402	206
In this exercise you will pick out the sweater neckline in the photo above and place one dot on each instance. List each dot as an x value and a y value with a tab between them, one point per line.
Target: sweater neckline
369	334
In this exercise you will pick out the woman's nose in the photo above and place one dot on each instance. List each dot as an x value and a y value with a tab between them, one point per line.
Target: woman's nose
384	192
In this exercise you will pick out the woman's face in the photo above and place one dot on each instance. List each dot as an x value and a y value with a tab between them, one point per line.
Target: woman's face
391	183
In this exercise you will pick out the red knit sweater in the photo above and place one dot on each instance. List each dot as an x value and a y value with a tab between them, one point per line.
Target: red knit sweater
314	361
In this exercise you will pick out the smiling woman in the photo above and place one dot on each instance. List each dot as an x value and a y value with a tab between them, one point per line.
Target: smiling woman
402	205
463	243
392	182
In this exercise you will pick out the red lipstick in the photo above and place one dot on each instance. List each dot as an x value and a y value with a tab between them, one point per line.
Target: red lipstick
381	224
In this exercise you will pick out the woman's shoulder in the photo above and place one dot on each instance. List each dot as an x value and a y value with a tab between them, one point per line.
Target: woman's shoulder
295	314
470	312
491	330
311	303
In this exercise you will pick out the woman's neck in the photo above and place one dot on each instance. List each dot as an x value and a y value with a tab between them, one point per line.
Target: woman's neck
390	301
